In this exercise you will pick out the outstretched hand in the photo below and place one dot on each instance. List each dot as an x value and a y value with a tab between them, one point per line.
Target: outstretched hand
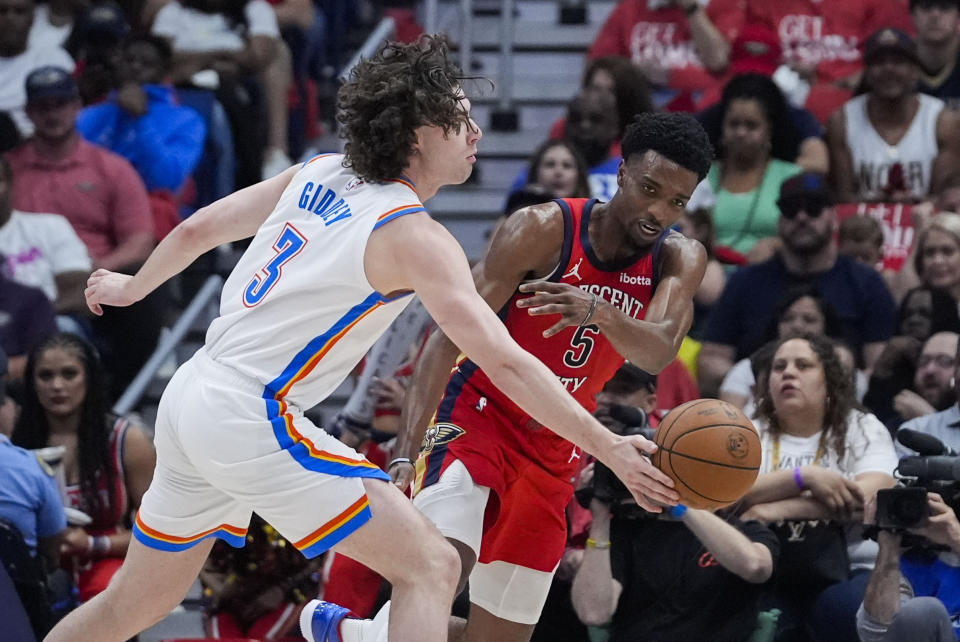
401	475
575	306
108	288
628	460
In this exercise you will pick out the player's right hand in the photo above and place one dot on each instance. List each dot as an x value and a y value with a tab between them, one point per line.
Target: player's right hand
402	474
649	486
108	288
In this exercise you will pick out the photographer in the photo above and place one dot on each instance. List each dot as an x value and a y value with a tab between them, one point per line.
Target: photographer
691	576
913	596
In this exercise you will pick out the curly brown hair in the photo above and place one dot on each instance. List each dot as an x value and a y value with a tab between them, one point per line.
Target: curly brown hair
840	400
403	87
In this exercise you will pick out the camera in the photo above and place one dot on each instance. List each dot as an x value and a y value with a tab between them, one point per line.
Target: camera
934	469
623	420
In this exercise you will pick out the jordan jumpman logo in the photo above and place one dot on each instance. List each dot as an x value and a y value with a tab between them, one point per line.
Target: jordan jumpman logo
575	270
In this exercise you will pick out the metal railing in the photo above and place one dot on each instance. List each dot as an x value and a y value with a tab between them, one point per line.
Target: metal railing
384	29
131	396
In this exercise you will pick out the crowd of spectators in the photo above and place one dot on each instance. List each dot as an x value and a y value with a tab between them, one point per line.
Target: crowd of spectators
828	312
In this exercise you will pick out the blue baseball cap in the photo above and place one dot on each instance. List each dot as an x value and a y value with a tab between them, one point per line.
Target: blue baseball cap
50	82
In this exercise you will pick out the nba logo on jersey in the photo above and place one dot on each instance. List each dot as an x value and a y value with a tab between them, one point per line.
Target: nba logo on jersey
353	184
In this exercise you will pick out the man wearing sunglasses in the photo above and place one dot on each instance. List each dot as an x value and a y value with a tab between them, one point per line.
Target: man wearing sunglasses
740	321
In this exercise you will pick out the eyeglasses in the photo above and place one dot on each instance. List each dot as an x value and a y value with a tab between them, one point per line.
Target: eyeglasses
941	360
789	210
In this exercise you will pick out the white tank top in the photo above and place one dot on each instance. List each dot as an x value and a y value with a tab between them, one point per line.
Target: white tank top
297	313
873	157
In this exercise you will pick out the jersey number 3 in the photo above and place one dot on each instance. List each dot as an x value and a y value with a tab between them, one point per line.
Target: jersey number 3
581	345
287	246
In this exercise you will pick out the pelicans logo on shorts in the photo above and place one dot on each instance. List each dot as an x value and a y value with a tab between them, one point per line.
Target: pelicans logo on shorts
439	434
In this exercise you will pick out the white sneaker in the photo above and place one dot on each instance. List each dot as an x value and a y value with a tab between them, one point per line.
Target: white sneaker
275	161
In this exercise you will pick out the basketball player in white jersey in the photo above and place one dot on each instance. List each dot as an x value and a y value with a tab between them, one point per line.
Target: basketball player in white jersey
338	246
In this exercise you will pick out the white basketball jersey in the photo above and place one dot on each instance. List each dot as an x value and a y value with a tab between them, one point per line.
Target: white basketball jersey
873	157
297	312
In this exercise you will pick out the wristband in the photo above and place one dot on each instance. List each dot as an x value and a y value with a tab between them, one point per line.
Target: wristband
592	543
399	460
593	307
98	544
798	479
678	511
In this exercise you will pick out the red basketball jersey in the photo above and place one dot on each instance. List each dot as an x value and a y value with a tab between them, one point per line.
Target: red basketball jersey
582	358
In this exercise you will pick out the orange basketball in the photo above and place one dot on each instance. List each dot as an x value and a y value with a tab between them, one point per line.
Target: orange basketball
710	450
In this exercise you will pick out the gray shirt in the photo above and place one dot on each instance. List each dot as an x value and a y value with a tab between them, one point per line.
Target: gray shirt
944	425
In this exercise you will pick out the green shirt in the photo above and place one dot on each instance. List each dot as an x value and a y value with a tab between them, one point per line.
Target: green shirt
743	219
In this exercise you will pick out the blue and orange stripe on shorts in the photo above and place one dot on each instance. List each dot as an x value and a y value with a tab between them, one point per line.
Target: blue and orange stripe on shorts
233	535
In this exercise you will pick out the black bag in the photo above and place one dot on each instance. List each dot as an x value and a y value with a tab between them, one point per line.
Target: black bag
813	555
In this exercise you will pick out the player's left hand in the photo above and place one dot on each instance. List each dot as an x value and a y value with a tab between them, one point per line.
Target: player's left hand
649	486
108	288
574	306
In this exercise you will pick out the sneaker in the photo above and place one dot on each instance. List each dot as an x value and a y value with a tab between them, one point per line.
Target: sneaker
320	621
274	162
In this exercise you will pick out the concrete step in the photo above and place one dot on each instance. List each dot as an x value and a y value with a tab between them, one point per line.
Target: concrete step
531	35
464	201
561	63
533	116
536	10
528	88
515	145
499	173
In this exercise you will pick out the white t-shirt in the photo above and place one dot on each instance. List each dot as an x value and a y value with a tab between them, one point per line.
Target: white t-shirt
37	247
13	76
45	34
869	449
190	30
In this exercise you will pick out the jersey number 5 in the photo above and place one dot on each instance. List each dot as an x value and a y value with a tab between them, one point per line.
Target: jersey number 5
287	246
581	345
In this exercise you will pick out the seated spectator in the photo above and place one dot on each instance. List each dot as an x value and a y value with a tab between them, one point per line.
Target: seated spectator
861	238
17	60
923	313
105	201
821	458
257	591
592	127
678	44
698	224
937	25
932	388
43	251
224	46
95	44
757	51
821	42
943	424
800	311
558	167
27	318
892	143
108	463
807	255
143	121
935	256
755	142
617	76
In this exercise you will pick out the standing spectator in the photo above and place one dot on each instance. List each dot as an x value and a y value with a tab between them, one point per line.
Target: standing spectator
17	60
103	198
233	48
892	143
108	462
808	254
678	44
755	143
42	251
142	120
821	41
937	23
821	458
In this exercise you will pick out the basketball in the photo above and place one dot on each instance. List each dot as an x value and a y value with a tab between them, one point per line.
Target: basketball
710	450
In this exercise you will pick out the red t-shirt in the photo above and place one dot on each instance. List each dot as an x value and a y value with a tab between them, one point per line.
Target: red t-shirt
99	192
662	37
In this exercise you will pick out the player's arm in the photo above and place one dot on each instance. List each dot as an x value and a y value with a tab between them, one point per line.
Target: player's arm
651	343
416	252
521	246
232	218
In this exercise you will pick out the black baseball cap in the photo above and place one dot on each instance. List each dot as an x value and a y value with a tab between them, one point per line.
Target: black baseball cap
105	19
890	39
807	190
50	82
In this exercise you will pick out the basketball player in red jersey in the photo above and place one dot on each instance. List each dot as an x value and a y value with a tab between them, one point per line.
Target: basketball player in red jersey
582	285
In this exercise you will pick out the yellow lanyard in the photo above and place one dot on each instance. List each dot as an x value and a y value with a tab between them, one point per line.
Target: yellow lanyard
776	451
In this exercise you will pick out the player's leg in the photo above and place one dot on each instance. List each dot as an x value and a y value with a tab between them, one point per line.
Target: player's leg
149	585
505	602
403	546
483	626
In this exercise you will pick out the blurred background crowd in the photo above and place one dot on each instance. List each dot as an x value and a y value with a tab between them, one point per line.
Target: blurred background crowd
828	312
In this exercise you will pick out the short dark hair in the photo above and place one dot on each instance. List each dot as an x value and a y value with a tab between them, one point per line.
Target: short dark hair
784	137
5	169
678	137
926	4
403	87
861	229
162	45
